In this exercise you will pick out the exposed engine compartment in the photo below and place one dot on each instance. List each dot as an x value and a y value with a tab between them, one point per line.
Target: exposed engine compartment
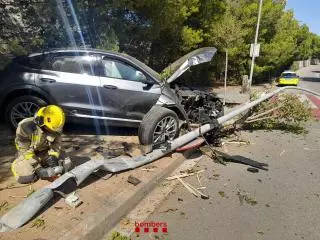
201	106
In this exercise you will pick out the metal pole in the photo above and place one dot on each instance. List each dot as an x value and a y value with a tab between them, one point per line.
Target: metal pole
225	79
254	45
25	210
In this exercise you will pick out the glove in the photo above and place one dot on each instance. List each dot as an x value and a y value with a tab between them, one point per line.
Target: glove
52	161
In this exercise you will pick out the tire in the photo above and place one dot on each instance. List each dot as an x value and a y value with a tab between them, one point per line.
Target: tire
16	105
152	121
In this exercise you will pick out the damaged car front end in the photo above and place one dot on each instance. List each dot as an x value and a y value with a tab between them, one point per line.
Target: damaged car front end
190	106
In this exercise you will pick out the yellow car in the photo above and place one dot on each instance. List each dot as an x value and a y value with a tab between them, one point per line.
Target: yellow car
289	78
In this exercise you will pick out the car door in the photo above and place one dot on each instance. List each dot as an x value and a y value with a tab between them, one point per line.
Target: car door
71	79
127	93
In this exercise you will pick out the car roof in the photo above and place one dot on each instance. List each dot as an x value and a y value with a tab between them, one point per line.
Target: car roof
289	72
104	52
83	50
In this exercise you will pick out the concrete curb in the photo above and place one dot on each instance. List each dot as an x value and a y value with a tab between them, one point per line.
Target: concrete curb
152	201
100	223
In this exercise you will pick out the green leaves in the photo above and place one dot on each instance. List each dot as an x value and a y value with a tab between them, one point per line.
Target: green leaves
285	112
160	31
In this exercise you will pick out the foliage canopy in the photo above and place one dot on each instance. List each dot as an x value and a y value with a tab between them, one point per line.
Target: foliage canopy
159	31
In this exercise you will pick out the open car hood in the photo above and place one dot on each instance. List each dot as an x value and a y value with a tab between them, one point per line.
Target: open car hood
193	58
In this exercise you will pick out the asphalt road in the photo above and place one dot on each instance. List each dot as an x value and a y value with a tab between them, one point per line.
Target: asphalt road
287	196
310	77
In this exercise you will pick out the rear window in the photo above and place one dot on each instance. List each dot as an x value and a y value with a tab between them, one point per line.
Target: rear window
76	64
33	62
288	75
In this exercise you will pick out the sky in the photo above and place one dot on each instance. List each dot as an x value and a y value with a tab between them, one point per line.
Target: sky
308	12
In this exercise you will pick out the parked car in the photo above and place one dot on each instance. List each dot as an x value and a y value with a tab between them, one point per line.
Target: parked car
289	78
91	84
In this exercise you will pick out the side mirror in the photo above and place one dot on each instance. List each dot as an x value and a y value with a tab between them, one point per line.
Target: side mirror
142	78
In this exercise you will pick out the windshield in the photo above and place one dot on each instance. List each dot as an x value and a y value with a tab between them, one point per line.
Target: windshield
140	64
288	75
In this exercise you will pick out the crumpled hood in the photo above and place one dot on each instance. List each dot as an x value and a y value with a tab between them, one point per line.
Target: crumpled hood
193	58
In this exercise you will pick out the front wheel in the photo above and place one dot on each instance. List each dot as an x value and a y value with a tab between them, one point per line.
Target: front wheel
21	108
158	126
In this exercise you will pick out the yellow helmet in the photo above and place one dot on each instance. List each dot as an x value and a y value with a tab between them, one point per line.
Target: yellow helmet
52	117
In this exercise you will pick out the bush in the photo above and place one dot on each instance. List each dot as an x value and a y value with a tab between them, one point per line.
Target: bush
284	112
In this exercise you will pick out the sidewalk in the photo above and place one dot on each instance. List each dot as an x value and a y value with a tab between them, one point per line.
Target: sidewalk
234	95
104	201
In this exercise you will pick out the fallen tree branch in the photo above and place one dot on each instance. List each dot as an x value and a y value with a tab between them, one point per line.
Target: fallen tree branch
259	119
188	187
264	113
183	175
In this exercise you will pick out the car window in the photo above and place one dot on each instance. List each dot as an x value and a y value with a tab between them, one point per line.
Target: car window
120	70
77	64
289	75
36	62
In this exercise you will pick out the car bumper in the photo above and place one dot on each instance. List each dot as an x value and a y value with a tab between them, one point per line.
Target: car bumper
288	82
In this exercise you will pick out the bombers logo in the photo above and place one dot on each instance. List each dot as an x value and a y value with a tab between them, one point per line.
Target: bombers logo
147	227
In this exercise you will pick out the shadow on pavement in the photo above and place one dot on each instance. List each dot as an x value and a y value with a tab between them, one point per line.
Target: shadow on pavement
86	129
7	151
316	71
311	79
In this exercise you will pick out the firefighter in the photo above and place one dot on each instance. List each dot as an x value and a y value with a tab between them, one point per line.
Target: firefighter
38	144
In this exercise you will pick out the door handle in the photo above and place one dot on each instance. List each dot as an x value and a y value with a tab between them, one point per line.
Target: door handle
110	87
47	80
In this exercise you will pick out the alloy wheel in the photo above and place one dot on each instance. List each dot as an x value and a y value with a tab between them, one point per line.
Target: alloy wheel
21	111
165	130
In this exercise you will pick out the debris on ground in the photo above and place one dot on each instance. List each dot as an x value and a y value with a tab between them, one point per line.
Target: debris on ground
133	180
222	194
253	170
4	205
243	160
147	169
200	184
99	149
188	174
193	190
213	155
260	232
247	198
125	221
39	223
150	168
76	147
169	210
283	151
30	191
180	199
236	142
117	236
12	186
73	200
